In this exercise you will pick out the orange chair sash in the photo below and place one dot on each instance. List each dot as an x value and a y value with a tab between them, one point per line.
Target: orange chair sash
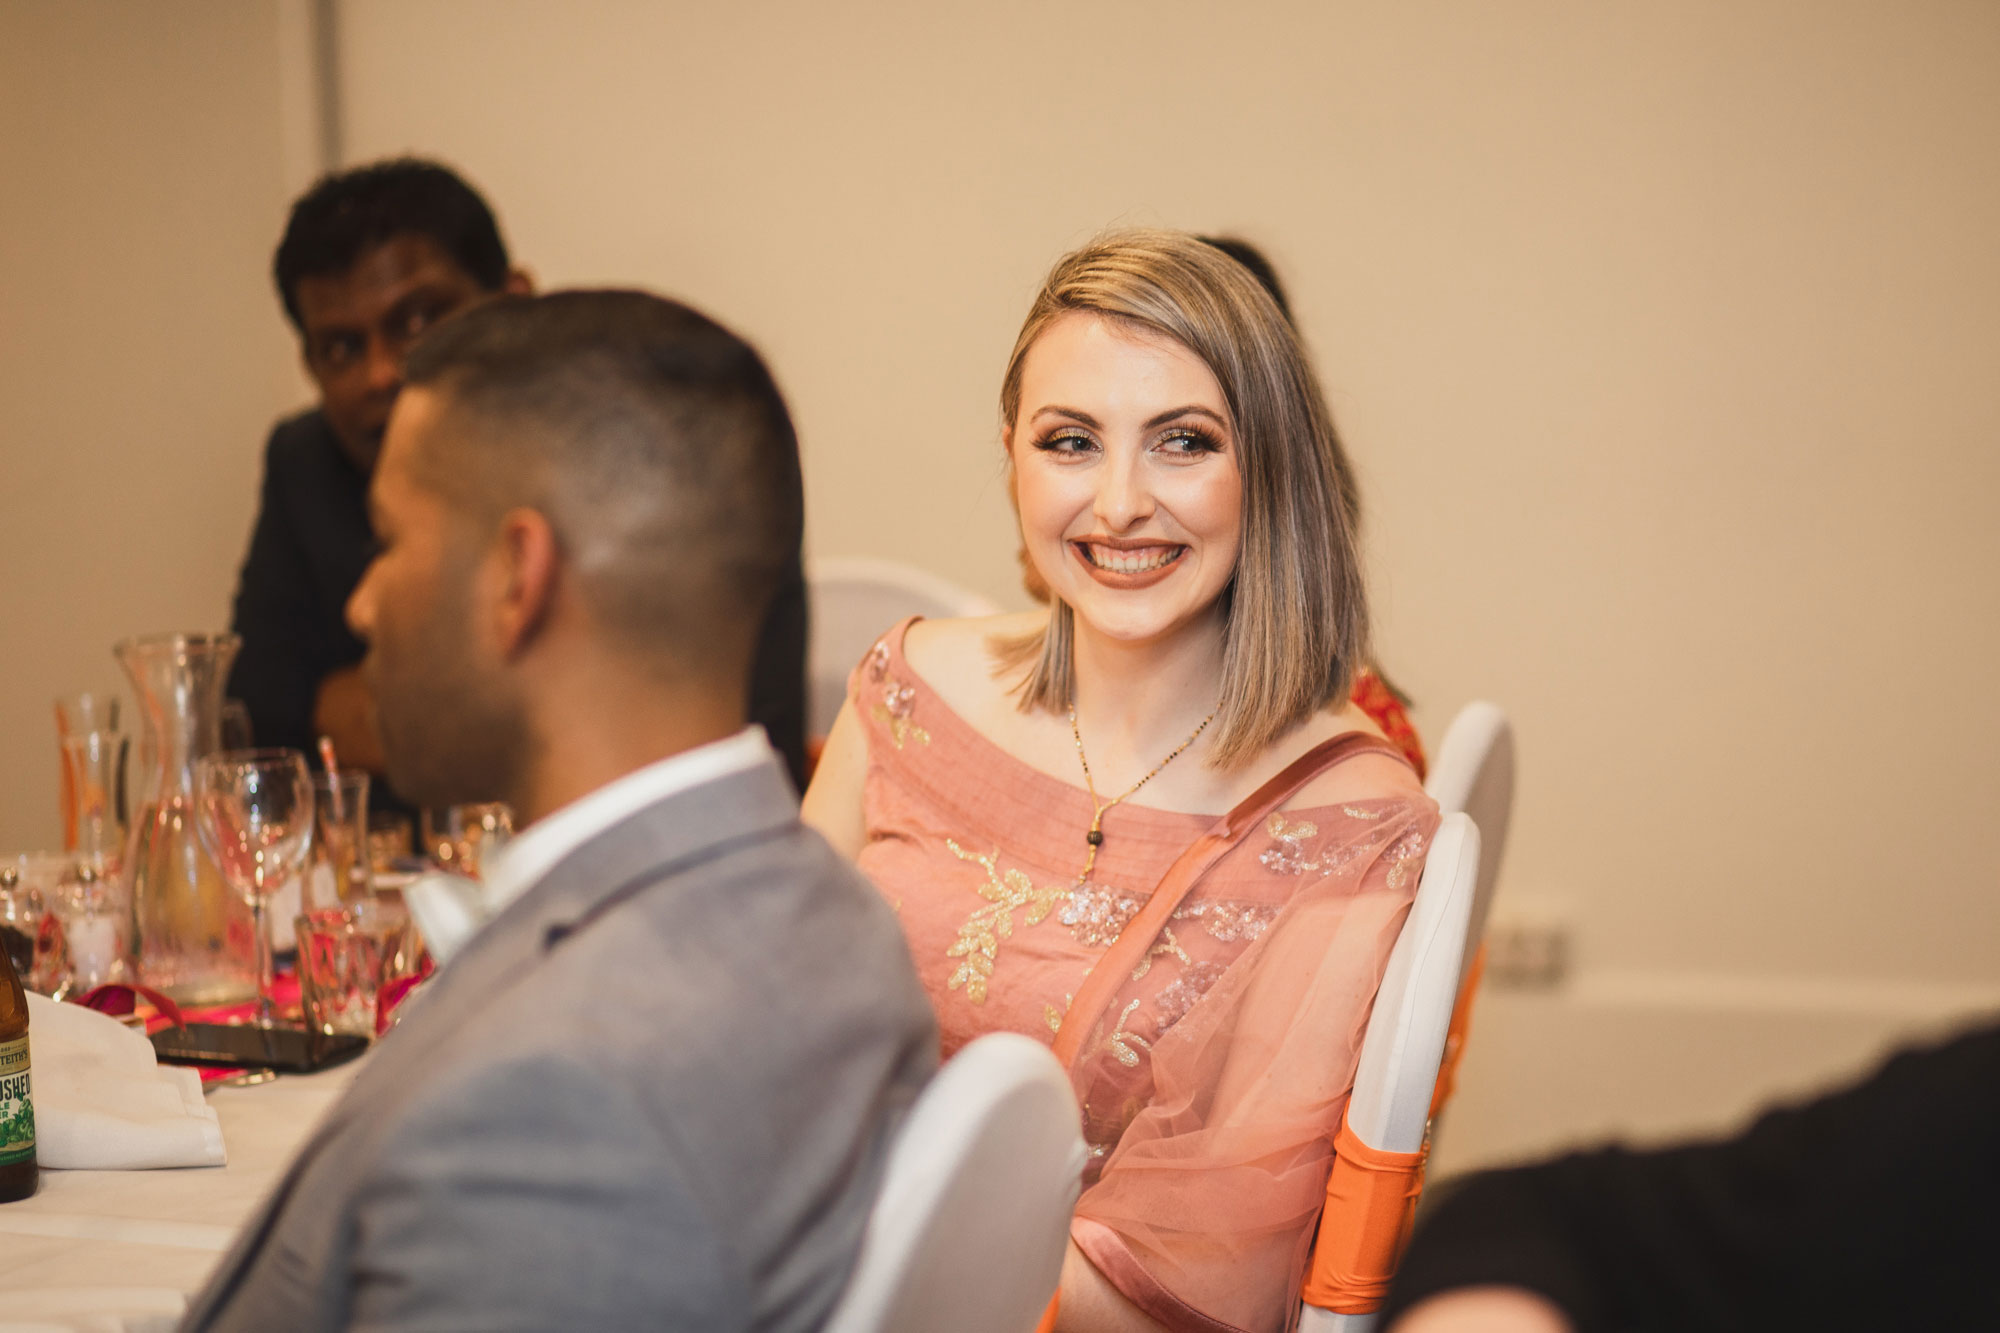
1454	1038
1371	1201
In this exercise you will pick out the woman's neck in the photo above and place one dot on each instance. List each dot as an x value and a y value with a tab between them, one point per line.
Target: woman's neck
1135	700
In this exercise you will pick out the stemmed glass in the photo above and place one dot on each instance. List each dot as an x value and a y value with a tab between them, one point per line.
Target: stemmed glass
255	812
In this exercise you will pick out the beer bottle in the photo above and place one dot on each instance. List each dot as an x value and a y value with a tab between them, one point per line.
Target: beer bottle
17	1108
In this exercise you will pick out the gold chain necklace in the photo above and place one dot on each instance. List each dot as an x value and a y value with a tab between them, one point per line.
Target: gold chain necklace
1096	835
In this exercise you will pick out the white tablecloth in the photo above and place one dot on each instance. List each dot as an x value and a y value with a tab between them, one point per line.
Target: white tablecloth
92	1248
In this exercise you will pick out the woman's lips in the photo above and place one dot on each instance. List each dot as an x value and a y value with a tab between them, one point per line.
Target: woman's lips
1128	567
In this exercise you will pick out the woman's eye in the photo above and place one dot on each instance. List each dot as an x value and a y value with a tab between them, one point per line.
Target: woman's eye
1066	442
1189	443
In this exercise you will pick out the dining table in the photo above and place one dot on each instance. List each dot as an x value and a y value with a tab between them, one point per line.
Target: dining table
122	1251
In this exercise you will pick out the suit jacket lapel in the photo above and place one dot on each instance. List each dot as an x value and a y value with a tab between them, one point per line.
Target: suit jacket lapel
663	839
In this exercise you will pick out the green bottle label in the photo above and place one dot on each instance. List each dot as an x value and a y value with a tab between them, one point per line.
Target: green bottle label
17	1109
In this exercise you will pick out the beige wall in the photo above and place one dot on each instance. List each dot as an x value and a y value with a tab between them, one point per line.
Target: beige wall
142	183
1664	336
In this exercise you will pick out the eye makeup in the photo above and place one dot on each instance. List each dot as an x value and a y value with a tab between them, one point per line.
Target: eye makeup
1065	440
1198	439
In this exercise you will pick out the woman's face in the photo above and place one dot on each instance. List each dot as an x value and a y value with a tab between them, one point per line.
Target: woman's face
1126	477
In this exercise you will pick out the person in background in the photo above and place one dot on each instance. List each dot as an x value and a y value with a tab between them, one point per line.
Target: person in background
658	1089
371	258
1019	786
1870	1208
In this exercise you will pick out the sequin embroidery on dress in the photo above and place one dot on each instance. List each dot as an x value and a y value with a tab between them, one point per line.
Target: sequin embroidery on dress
1175	999
1289	855
895	703
1405	852
1125	1044
1229	921
1096	915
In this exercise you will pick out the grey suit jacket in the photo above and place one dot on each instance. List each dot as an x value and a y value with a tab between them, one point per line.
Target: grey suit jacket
655	1092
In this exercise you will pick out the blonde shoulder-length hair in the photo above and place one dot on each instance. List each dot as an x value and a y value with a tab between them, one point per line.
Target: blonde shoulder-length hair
1296	609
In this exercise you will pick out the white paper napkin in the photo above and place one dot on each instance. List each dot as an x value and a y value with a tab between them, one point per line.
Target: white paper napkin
103	1103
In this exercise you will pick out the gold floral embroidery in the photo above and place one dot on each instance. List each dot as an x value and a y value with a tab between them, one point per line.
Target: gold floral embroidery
897	703
1229	921
1289	832
979	938
1288	856
1166	944
1356	812
1407	851
1122	1042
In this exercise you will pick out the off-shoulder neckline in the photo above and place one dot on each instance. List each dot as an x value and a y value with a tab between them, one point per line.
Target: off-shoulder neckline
893	639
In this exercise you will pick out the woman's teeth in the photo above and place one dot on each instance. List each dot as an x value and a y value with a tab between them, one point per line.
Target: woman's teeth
1131	562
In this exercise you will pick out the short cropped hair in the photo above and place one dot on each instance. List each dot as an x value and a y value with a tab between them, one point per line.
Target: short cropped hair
348	213
1297	606
654	440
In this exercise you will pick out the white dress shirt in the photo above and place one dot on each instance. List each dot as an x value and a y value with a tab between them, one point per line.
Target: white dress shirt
450	910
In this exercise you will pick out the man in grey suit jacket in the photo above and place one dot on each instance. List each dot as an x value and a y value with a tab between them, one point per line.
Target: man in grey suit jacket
656	1090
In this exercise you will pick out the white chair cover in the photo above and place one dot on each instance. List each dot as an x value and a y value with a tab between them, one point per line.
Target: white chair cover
853	599
972	1223
1391	1104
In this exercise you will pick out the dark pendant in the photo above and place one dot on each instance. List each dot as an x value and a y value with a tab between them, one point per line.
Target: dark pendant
1095	837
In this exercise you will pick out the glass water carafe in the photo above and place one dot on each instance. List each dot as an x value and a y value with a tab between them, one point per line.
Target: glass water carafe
191	937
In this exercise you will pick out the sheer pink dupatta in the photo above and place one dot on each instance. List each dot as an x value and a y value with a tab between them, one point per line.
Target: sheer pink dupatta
1203	1214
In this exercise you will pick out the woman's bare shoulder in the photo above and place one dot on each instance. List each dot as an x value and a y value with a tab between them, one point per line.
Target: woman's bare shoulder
1365	777
955	658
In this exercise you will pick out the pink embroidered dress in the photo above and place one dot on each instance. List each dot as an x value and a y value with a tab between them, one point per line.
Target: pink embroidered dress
1211	1102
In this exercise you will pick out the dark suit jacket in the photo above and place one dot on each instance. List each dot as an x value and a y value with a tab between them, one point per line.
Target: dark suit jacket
1871	1208
307	552
655	1092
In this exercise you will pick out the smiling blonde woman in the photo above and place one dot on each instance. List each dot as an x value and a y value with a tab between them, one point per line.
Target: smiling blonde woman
1021	788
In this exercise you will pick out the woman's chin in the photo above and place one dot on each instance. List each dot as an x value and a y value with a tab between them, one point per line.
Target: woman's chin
1125	622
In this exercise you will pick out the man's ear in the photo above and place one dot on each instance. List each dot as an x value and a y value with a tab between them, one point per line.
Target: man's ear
520	282
530	556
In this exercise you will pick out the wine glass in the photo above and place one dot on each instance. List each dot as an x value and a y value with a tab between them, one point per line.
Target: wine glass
255	812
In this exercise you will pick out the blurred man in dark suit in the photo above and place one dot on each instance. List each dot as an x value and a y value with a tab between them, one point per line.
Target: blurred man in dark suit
370	259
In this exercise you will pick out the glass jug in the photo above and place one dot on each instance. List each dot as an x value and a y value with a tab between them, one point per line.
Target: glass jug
191	937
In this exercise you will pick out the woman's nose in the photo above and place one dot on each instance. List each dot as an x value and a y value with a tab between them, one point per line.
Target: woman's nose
1123	497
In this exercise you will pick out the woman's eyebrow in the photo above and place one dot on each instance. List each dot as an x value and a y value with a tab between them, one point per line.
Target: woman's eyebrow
1192	409
1078	415
1084	418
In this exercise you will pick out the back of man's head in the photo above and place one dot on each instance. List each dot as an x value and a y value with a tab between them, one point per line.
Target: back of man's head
348	213
654	441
